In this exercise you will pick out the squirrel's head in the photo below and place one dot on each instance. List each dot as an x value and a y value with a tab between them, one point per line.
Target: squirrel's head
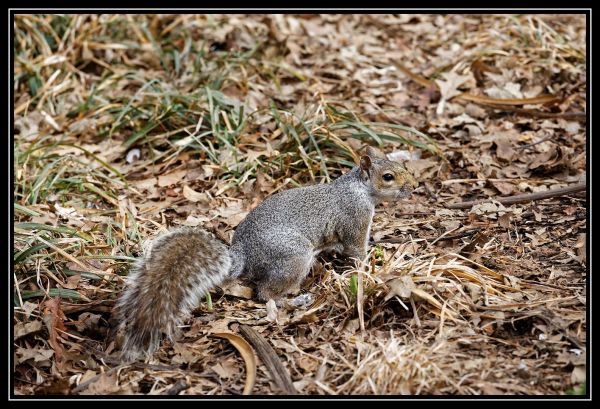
389	180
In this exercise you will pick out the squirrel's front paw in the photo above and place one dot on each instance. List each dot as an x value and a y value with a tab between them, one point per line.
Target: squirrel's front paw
302	300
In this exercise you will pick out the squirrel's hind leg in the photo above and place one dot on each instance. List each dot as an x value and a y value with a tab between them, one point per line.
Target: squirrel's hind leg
285	277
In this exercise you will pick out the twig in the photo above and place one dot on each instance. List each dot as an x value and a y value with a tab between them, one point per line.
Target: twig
540	114
524	197
479	99
269	357
529	145
507	105
179	386
443	235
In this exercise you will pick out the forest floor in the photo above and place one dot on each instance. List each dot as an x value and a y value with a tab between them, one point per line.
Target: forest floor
126	125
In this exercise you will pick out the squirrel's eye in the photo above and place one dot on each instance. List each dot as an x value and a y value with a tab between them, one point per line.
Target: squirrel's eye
388	177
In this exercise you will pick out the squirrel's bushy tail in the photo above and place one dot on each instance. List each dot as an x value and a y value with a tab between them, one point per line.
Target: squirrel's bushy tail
166	284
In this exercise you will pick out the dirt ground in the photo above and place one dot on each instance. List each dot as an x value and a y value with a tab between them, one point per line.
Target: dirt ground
127	125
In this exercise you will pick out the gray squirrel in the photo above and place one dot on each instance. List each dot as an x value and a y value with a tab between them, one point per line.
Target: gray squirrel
274	247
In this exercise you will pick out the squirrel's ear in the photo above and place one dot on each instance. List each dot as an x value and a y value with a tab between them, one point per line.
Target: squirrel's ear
365	164
375	153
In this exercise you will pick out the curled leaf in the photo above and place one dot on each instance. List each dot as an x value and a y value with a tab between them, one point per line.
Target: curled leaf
247	353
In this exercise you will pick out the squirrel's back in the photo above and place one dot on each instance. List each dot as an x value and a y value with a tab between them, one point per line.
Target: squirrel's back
309	209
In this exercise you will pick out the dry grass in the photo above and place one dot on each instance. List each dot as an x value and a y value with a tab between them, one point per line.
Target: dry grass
128	124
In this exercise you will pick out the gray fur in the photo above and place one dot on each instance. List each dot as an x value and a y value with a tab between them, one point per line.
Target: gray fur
274	247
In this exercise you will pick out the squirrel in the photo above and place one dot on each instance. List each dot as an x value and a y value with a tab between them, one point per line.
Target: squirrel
274	247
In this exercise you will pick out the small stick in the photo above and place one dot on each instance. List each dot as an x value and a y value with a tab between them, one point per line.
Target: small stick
524	197
269	357
179	386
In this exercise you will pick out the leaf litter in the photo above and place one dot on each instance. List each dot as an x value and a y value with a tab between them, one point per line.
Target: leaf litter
128	125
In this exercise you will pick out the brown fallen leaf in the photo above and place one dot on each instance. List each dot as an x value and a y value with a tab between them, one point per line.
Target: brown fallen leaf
422	168
401	286
226	369
73	281
506	188
308	364
106	384
28	308
184	354
238	290
217	326
507	91
194	196
504	220
171	178
580	248
449	87
491	209
53	318
146	184
87	320
504	150
247	353
21	329
41	357
478	241
552	160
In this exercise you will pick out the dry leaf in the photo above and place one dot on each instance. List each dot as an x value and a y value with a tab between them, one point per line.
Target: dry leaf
422	168
581	248
40	356
449	87
145	184
185	354
21	329
578	375
402	286
504	220
172	178
238	290
506	188
504	149
227	369
194	196
53	318
87	320
28	308
551	160
272	311
105	385
249	358
73	281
